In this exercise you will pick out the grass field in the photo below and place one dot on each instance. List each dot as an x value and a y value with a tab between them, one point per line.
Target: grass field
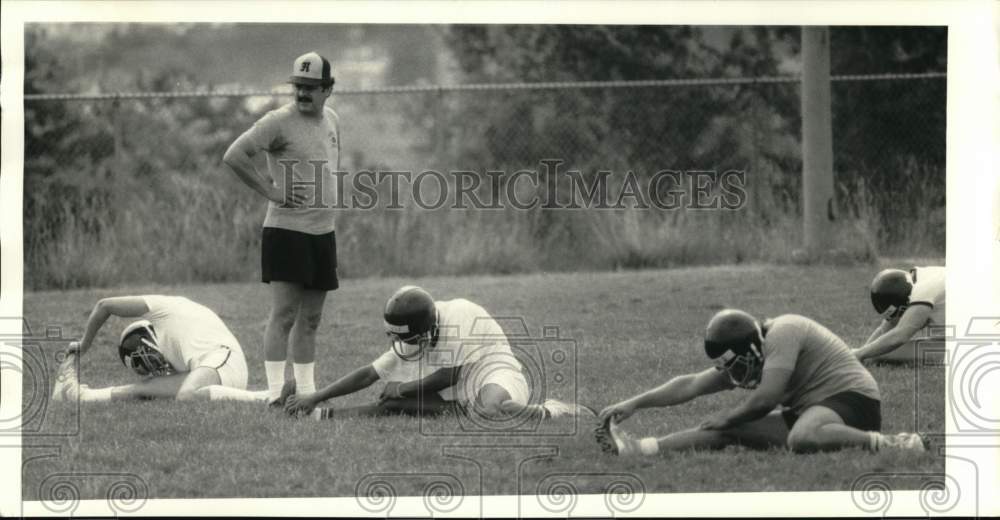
632	330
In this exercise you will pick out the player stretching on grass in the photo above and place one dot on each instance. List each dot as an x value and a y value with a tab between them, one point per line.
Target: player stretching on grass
910	303
444	356
828	399
181	348
298	244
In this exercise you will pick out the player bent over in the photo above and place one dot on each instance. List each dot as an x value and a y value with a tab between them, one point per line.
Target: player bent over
911	304
827	399
181	348
444	356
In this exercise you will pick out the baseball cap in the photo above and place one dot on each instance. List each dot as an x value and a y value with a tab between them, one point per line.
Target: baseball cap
311	69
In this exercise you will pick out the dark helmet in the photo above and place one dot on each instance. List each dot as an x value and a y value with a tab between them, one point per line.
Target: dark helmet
411	319
890	292
139	350
735	341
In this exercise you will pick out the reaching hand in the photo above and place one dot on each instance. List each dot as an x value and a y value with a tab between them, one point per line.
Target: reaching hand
299	404
714	423
391	391
293	198
619	412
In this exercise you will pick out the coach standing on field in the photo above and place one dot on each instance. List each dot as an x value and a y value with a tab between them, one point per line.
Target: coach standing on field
298	246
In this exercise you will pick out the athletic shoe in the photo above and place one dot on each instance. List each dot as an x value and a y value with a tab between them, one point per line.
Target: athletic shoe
904	441
558	409
614	441
286	390
66	387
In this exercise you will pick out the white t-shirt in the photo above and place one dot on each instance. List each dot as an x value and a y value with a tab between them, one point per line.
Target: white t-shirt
187	331
928	289
467	336
304	144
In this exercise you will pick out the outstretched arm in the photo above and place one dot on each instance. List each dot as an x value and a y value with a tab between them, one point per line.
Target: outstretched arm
240	159
914	319
357	380
438	380
122	306
676	391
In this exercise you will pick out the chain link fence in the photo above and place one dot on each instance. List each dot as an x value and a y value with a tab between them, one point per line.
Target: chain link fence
127	188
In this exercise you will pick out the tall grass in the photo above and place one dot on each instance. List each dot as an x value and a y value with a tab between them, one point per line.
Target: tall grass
207	228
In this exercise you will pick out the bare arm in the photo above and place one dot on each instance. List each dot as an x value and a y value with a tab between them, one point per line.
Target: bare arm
882	328
439	380
759	403
122	306
240	159
914	319
680	389
357	380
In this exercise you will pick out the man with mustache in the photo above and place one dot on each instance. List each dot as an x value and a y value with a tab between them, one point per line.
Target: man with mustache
298	248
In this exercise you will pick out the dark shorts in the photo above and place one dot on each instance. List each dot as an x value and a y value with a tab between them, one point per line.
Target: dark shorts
291	256
856	410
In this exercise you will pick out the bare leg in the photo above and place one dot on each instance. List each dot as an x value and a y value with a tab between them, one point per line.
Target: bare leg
303	339
285	298
429	406
767	432
821	429
307	319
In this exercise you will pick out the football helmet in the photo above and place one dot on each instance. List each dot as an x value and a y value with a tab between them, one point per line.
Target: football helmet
138	350
411	322
734	339
890	291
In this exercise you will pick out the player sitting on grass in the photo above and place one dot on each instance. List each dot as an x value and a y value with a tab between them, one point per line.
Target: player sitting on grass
446	355
911	304
181	348
828	399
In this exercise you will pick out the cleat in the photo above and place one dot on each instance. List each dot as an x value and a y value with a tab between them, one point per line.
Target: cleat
614	441
558	409
66	387
286	390
604	439
906	441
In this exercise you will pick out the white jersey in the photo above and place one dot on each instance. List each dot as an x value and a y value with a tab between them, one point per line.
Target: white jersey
187	331
928	289
467	336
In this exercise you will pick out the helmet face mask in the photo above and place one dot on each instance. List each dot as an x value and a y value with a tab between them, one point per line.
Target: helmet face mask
411	322
890	293
412	347
744	371
734	340
138	351
893	312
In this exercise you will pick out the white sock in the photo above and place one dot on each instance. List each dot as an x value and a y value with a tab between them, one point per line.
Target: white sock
88	394
304	382
874	441
227	393
649	446
275	378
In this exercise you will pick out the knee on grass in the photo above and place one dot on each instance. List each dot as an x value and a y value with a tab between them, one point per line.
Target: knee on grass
805	441
197	394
